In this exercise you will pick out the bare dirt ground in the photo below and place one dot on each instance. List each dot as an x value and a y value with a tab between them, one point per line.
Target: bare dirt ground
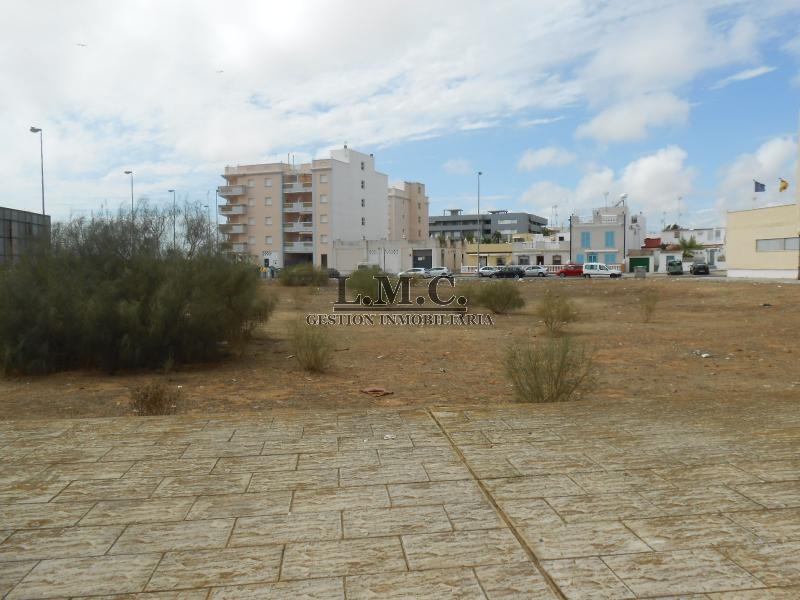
750	330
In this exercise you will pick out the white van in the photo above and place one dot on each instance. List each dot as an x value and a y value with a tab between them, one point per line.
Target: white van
600	270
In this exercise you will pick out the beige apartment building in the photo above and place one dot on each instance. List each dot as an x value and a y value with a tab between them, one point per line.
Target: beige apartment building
281	214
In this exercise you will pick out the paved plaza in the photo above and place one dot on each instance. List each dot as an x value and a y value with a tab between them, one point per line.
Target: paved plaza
580	500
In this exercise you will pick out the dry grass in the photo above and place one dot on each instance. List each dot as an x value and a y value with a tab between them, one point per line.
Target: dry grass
553	370
154	398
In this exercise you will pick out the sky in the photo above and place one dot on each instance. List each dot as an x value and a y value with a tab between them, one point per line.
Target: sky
562	106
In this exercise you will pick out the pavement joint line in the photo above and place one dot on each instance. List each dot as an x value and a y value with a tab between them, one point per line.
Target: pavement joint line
520	539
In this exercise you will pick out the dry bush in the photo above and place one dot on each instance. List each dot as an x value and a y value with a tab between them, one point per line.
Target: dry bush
500	297
552	371
648	302
155	398
556	311
311	345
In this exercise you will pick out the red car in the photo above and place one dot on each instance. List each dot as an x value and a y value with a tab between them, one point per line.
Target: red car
571	270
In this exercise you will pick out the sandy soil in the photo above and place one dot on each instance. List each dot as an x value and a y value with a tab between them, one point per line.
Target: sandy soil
750	330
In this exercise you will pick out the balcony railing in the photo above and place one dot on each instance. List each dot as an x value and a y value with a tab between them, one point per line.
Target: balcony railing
231	190
233	228
234	248
298	206
298	226
232	209
300	246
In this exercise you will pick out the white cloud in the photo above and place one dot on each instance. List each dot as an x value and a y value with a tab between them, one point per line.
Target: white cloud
544	157
775	158
541	121
457	166
742	76
632	119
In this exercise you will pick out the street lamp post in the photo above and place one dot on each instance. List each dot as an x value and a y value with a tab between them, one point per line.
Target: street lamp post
480	224
41	155
131	174
216	219
173	218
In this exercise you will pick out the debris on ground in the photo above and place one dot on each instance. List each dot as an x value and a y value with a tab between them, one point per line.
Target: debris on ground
376	391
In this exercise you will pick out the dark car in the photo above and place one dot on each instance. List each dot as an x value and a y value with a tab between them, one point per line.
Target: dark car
508	273
571	270
674	267
699	268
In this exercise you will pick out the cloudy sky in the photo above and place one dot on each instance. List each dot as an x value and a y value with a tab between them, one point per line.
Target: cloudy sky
680	105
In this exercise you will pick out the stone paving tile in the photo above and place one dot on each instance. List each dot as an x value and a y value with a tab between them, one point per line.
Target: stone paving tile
87	470
331	460
203	485
342	557
151	452
372	496
706	475
331	588
109	512
436	492
587	579
417	455
473	515
513	581
252	464
698	500
446	471
182	535
469	438
533	487
382	474
285	528
576	540
686	532
293	480
12	472
11	573
538	465
304	445
384	522
529	511
220	449
772	470
602	507
776	525
32	491
229	566
462	548
775	563
51	453
29	516
788	593
435	584
508	436
172	468
619	481
241	505
86	576
680	572
109	489
199	594
401	440
784	494
62	542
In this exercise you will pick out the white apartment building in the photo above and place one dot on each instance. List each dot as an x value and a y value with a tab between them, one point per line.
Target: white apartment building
285	214
607	235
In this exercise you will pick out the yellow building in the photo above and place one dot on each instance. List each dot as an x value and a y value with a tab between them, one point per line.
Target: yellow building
764	242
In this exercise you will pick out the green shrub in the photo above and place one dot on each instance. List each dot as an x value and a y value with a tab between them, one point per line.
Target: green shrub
500	297
303	275
155	398
648	302
311	345
100	297
361	282
552	371
556	311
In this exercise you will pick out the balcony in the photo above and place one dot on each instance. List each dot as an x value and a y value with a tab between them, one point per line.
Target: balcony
298	246
300	226
233	228
227	191
232	209
234	248
298	207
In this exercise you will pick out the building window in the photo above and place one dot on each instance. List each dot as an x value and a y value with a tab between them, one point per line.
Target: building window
251	221
323	238
556	259
250	183
251	240
362	165
323	218
419	219
363	221
579	258
717	234
524	259
267	220
362	184
609	239
323	199
363	203
591	257
268	182
268	240
323	178
251	202
610	258
268	201
586	239
777	244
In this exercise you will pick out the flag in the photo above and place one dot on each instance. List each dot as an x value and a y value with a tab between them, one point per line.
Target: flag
760	187
784	185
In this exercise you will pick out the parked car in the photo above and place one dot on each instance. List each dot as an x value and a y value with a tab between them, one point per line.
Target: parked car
440	272
415	272
535	271
333	273
674	267
593	269
571	270
699	268
486	271
509	272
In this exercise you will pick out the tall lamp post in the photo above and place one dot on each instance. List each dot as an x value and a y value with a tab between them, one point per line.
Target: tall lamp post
131	174
480	224
173	218
216	219
41	155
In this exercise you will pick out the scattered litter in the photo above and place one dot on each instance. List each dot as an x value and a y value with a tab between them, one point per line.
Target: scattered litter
705	355
765	304
389	436
180	387
381	356
376	391
290	356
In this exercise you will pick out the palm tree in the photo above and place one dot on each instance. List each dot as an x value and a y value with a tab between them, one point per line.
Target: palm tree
689	246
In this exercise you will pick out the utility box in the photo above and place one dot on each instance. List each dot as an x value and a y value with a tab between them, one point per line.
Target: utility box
639	272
